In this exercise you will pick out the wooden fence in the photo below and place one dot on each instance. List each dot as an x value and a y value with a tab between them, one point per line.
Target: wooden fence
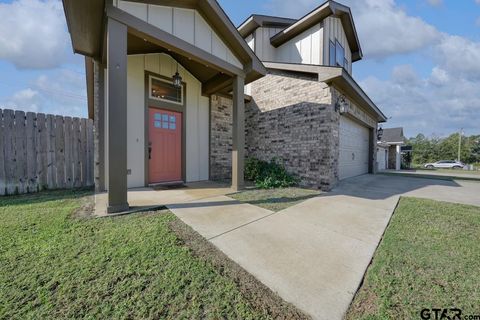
39	152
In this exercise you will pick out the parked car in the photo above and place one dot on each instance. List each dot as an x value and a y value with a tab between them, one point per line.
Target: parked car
445	164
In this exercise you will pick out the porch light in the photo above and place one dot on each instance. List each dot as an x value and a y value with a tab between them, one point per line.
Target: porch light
177	79
379	134
341	105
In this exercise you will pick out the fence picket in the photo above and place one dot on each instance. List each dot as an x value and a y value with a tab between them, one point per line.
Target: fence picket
68	152
9	149
77	170
20	152
59	152
83	149
51	174
41	141
31	152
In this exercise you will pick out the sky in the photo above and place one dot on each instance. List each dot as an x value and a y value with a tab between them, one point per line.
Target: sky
421	61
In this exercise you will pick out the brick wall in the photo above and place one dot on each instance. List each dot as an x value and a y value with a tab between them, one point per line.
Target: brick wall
291	117
220	138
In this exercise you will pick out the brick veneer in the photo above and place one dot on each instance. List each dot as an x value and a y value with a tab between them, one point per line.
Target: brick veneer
291	117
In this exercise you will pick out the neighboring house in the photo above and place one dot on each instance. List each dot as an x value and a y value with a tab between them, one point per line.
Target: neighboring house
389	149
166	84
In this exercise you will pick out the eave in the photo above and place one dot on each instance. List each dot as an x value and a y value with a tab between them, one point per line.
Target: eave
316	16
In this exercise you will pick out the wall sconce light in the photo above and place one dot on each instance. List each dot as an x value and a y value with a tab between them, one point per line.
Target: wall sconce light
341	105
379	134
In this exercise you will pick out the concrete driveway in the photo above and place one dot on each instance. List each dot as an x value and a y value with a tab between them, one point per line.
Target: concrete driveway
315	254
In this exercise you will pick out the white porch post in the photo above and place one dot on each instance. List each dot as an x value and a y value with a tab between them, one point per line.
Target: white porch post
398	159
117	116
238	146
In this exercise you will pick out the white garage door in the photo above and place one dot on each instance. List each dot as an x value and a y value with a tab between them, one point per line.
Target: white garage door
354	149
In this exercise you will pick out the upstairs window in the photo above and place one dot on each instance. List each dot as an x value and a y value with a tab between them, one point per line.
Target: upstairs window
339	54
164	90
332	53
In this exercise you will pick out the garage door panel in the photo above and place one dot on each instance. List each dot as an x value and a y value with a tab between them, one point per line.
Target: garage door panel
354	149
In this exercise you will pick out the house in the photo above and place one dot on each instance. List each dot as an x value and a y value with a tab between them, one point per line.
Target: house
389	149
178	94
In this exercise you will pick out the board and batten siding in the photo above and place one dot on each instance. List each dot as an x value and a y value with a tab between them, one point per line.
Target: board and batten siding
333	30
186	24
306	48
197	114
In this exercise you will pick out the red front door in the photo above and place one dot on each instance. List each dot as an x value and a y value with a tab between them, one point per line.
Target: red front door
165	143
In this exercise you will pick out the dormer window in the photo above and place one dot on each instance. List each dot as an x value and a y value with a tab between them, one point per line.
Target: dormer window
332	53
339	54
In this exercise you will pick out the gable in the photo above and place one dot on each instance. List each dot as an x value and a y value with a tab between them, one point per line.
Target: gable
186	24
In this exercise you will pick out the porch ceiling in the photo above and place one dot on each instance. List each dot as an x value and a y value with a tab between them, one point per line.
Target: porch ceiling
203	73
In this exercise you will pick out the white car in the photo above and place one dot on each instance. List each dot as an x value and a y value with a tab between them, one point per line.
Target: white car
445	164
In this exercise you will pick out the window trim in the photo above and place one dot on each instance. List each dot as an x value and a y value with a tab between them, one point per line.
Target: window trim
151	77
332	45
340	45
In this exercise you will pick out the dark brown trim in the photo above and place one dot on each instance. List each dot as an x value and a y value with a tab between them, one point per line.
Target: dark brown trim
155	35
238	133
316	16
151	103
117	117
90	79
257	20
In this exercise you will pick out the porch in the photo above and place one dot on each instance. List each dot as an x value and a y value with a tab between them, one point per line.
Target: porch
197	44
150	198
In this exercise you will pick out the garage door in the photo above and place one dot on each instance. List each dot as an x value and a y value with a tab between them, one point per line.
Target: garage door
354	149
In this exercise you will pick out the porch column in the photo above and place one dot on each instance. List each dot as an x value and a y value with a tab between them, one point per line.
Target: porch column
238	133
99	116
398	159
117	116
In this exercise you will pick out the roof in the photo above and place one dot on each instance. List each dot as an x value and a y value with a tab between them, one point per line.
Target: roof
85	21
393	136
337	76
256	20
317	15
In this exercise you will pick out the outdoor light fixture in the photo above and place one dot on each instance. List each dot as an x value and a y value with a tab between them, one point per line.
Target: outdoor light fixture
177	79
379	134
341	105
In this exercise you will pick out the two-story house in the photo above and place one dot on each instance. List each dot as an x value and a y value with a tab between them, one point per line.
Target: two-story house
308	110
179	94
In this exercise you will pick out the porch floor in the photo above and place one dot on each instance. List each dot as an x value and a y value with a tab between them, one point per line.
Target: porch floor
143	199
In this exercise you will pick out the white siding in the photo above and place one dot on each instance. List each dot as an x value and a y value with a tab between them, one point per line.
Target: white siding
333	30
251	41
263	49
305	48
197	116
186	24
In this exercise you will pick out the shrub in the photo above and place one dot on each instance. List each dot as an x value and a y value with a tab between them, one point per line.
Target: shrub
268	175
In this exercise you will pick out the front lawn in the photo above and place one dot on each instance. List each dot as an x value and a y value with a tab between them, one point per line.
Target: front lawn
429	258
275	199
56	266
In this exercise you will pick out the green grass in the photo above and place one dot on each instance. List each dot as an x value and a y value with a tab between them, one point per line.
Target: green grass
55	266
429	258
275	199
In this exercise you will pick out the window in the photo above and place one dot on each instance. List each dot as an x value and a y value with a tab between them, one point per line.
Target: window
164	121
332	53
164	90
339	54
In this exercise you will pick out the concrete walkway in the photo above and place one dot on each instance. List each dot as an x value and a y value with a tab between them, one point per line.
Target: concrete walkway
315	254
